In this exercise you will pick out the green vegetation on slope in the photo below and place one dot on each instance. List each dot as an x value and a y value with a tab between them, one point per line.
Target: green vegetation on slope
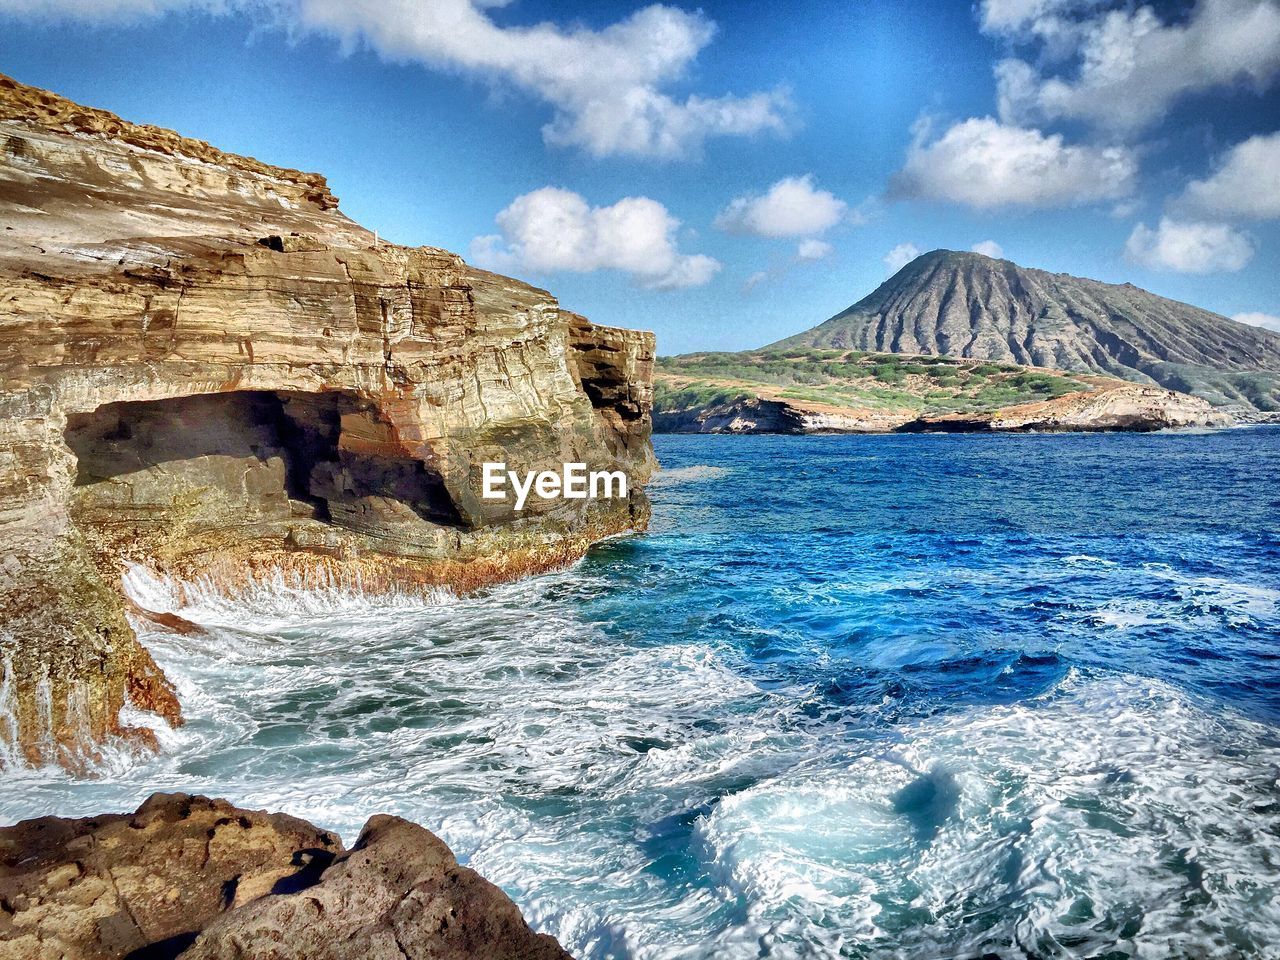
954	303
850	378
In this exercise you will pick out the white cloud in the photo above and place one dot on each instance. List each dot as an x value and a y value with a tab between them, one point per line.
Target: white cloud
1006	16
552	230
1246	183
1189	247
1039	17
900	256
1265	320
986	164
109	11
989	248
792	207
755	280
810	250
1125	68
607	87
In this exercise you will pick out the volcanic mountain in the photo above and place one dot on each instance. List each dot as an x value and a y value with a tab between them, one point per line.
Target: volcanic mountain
972	306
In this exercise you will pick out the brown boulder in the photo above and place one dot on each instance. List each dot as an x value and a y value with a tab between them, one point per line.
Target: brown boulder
399	895
199	878
144	884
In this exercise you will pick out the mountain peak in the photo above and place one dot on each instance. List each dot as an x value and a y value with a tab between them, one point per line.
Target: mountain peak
967	304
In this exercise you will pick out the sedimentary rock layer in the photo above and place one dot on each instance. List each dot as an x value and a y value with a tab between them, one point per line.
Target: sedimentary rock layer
208	369
192	877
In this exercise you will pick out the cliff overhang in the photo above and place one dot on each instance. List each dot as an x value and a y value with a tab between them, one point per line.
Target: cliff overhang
209	370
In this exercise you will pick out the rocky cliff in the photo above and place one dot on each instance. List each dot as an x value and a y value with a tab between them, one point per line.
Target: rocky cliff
210	370
1112	408
973	306
802	391
195	878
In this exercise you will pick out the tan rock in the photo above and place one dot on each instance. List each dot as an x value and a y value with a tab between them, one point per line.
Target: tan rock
1112	406
199	878
398	895
206	368
103	887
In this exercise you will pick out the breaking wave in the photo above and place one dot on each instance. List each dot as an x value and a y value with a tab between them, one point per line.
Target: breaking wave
810	731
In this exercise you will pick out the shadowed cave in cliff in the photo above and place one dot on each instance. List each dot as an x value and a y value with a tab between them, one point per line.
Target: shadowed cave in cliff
259	459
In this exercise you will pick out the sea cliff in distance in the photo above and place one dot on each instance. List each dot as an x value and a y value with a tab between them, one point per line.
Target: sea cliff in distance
964	342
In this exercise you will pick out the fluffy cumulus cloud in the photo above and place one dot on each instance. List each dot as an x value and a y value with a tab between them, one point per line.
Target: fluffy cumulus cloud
792	207
1246	183
1031	16
1121	66
900	256
987	164
1265	320
608	88
989	248
553	230
1189	247
812	250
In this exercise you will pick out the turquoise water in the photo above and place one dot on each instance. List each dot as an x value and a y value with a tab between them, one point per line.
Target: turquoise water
919	697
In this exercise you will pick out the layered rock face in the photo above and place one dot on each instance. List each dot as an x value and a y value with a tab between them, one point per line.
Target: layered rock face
970	305
192	877
208	369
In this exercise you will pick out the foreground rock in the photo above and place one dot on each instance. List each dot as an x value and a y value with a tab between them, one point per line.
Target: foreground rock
193	877
210	370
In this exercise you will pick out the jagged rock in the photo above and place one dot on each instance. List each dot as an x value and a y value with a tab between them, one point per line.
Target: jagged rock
615	369
105	887
206	367
398	895
199	878
970	305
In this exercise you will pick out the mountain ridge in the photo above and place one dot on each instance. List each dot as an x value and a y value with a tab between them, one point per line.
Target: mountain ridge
969	305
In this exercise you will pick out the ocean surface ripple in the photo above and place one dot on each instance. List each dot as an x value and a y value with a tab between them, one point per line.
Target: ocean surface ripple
883	697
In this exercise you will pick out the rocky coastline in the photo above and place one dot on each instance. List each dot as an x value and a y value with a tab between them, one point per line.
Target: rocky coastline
1104	405
187	876
209	370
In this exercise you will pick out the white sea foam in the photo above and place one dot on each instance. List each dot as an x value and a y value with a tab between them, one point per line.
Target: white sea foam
277	598
10	754
652	800
1189	600
1063	826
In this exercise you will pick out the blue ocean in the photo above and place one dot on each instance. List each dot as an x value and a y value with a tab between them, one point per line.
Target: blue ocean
881	697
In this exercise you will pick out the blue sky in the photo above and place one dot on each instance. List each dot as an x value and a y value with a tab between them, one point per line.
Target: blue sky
798	145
